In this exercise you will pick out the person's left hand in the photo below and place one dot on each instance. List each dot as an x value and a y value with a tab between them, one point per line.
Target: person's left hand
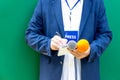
78	54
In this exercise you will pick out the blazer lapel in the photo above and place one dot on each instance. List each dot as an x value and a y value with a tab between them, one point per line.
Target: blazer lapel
58	14
85	14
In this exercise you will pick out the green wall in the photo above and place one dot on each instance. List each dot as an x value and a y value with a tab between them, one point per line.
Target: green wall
110	61
19	62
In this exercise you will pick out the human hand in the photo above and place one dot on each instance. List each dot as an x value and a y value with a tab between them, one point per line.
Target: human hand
56	42
78	54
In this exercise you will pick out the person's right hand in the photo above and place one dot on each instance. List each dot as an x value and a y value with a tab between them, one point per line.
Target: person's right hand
56	42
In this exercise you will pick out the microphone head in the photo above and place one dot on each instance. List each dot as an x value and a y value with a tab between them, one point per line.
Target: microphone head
71	45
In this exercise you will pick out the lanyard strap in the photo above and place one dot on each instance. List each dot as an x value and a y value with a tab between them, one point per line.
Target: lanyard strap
71	9
73	6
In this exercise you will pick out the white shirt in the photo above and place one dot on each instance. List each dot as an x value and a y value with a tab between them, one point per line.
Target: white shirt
68	72
75	17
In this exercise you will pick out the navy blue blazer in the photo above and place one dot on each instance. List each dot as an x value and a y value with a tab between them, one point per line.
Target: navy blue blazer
47	20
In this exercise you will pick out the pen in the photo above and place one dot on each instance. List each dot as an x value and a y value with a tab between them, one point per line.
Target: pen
58	34
62	46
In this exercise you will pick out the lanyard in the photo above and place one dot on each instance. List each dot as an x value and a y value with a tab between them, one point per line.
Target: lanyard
71	9
73	5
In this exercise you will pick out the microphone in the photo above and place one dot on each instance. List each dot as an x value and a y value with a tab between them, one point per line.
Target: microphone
82	45
71	45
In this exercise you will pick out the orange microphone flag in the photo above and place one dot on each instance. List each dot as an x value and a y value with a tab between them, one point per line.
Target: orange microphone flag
82	45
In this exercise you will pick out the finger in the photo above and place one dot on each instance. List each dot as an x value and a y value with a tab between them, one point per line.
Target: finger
57	40
57	37
60	40
74	53
54	46
64	41
77	54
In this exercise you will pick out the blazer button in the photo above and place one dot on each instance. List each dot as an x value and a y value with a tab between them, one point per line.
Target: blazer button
61	62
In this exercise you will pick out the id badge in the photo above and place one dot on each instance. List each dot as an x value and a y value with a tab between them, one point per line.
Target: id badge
71	35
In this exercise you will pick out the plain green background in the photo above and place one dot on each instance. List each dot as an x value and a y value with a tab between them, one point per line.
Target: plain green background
20	62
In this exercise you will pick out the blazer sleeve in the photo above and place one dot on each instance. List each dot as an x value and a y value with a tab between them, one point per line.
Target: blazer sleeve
103	35
35	34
